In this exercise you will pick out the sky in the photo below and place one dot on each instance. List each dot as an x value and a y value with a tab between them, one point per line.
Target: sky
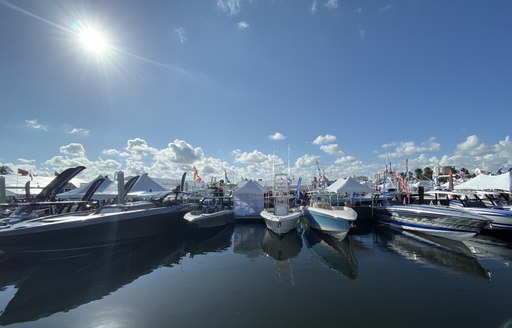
251	87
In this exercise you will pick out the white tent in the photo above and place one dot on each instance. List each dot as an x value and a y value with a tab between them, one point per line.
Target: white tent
79	192
488	182
348	185
108	189
143	185
248	199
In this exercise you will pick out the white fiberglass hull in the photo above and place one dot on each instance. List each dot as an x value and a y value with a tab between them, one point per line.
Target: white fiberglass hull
209	220
280	224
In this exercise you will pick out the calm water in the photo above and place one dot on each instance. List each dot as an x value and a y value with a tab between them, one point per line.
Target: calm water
244	276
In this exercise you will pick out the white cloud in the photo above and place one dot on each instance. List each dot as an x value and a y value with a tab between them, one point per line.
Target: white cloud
79	131
306	161
331	4
473	146
115	152
242	25
358	10
35	125
345	160
313	7
181	152
26	161
331	149
139	148
181	33
405	148
253	157
73	149
277	136
328	138
230	6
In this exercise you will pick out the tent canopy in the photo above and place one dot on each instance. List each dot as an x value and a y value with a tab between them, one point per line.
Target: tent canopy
348	185
488	182
248	199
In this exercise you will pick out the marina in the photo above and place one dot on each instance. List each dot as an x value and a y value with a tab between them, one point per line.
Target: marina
244	275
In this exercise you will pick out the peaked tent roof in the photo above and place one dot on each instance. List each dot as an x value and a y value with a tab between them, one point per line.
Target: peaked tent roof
348	185
80	191
250	187
488	182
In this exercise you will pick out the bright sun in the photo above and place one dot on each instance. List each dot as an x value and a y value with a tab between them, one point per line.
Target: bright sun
94	41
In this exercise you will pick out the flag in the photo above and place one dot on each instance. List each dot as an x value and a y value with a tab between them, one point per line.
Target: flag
197	178
226	177
23	172
326	181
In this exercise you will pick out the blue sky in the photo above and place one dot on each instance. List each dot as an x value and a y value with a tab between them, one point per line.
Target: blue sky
239	85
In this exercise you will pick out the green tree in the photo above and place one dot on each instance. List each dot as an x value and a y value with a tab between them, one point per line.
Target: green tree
427	173
5	170
418	173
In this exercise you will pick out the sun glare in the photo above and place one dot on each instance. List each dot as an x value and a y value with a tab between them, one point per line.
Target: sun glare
94	41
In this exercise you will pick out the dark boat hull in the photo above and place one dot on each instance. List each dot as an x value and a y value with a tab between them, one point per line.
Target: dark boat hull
83	234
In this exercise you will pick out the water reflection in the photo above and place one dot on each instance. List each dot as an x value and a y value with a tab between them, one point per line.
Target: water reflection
201	241
281	247
59	286
438	252
333	253
248	238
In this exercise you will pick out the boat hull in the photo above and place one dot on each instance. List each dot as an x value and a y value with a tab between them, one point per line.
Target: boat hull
336	223
80	234
433	220
280	224
209	220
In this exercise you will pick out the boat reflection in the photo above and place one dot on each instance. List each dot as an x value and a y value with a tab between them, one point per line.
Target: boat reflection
438	252
333	253
201	241
281	247
491	247
247	239
60	286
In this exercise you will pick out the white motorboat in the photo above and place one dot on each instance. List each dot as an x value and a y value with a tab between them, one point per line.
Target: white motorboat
470	202
212	213
437	220
332	220
280	217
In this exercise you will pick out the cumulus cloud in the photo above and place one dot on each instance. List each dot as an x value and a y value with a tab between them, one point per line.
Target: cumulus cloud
73	149
139	148
79	131
181	152
181	33
232	7
328	138
115	152
242	25
35	125
405	148
277	136
306	161
331	149
472	146
331	4
26	161
345	160
250	157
